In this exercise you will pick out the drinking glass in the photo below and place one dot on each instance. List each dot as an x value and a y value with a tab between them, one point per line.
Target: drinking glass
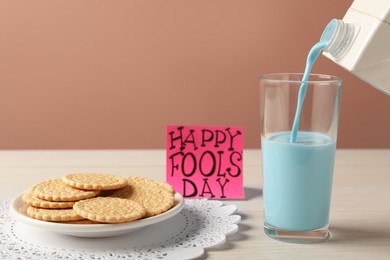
298	172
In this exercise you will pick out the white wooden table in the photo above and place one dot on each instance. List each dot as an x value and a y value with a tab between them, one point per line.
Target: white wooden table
360	211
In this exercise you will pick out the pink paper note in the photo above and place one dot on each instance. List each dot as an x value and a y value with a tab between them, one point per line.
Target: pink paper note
206	161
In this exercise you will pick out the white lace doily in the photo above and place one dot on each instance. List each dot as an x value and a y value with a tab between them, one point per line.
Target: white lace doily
202	224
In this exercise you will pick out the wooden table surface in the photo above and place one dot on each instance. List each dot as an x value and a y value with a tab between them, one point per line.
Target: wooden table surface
360	209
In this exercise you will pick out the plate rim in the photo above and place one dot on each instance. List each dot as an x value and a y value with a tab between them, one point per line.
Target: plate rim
17	205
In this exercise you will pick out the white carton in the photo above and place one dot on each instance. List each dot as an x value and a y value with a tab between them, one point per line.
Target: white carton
368	56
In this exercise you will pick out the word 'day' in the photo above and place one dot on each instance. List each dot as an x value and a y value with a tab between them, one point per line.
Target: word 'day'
205	161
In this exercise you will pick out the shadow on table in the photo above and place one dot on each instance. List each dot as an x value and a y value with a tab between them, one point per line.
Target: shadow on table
251	193
360	235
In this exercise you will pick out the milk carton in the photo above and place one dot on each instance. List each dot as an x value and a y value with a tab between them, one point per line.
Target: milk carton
360	42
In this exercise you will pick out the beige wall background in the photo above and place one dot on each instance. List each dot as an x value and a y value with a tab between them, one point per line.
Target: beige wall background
114	74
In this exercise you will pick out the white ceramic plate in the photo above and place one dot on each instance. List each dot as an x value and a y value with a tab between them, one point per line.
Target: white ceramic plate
18	210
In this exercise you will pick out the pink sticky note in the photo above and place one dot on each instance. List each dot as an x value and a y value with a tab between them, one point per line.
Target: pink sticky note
206	161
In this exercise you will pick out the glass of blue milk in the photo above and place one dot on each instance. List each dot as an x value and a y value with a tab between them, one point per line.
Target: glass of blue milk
298	141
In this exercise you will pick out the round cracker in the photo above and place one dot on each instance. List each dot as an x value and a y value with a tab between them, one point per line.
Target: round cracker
94	181
153	196
30	199
53	214
109	210
166	186
57	190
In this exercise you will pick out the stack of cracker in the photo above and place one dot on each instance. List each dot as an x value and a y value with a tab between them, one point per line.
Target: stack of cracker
98	198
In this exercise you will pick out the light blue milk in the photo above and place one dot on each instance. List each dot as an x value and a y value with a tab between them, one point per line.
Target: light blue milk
298	166
311	59
297	180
